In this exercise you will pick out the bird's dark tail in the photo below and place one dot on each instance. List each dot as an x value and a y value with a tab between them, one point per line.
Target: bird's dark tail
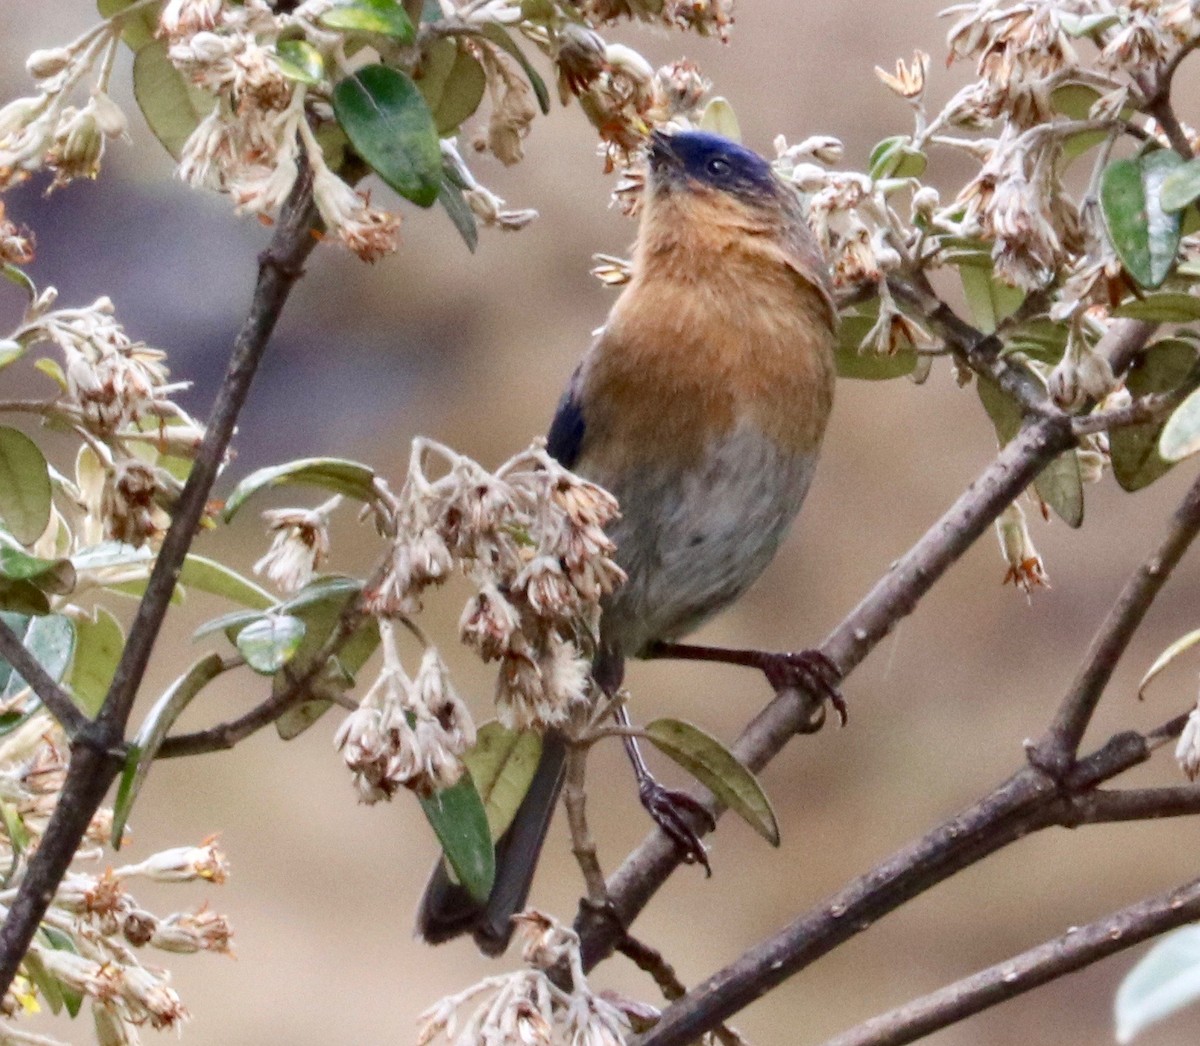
447	910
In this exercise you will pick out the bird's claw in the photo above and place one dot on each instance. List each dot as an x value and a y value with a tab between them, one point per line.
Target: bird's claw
671	810
809	670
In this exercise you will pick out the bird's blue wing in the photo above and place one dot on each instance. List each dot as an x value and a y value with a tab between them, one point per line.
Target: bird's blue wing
565	439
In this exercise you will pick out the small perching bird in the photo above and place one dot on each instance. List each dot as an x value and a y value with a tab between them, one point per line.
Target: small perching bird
701	405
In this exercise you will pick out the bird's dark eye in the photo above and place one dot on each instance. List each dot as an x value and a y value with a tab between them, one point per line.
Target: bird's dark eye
718	167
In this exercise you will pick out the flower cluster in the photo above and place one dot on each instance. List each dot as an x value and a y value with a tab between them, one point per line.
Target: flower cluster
46	130
114	394
94	928
406	732
530	537
527	1006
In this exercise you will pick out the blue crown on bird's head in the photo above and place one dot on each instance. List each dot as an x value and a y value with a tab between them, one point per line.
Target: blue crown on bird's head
711	160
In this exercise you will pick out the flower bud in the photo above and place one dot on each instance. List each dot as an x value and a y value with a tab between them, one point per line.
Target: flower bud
47	62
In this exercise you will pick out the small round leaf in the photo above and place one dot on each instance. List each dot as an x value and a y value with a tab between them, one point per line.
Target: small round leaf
24	486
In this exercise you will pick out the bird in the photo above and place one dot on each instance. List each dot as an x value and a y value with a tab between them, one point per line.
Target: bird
701	405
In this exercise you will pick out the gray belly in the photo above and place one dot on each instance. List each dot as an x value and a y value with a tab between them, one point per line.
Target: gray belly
693	541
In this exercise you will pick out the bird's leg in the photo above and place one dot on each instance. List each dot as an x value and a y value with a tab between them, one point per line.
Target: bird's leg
672	810
808	669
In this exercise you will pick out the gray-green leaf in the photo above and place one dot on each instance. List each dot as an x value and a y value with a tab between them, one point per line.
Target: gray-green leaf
502	765
172	105
24	486
715	767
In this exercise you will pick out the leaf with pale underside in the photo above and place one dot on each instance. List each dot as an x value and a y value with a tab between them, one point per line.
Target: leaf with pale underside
1166	979
1144	234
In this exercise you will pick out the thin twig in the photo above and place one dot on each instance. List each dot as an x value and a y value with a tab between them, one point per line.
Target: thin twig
95	763
583	846
1075	949
53	696
1056	749
224	736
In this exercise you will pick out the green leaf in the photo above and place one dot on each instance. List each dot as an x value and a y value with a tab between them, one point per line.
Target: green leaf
1135	458
15	274
54	576
320	606
138	27
23	597
498	35
167	709
1166	979
715	767
385	17
207	575
172	105
502	765
719	118
53	370
271	642
1168	307
452	82
24	486
336	474
99	642
62	942
10	351
1144	234
989	300
389	124
1060	483
1181	434
110	554
51	641
866	364
300	61
1180	187
460	822
896	158
49	987
454	203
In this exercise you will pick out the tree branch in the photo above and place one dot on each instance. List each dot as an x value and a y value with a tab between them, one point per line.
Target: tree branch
53	696
94	765
1072	951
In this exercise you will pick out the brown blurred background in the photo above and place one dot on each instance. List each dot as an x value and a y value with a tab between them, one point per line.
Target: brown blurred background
474	351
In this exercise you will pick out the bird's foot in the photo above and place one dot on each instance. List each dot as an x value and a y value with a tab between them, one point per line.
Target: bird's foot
809	670
673	811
